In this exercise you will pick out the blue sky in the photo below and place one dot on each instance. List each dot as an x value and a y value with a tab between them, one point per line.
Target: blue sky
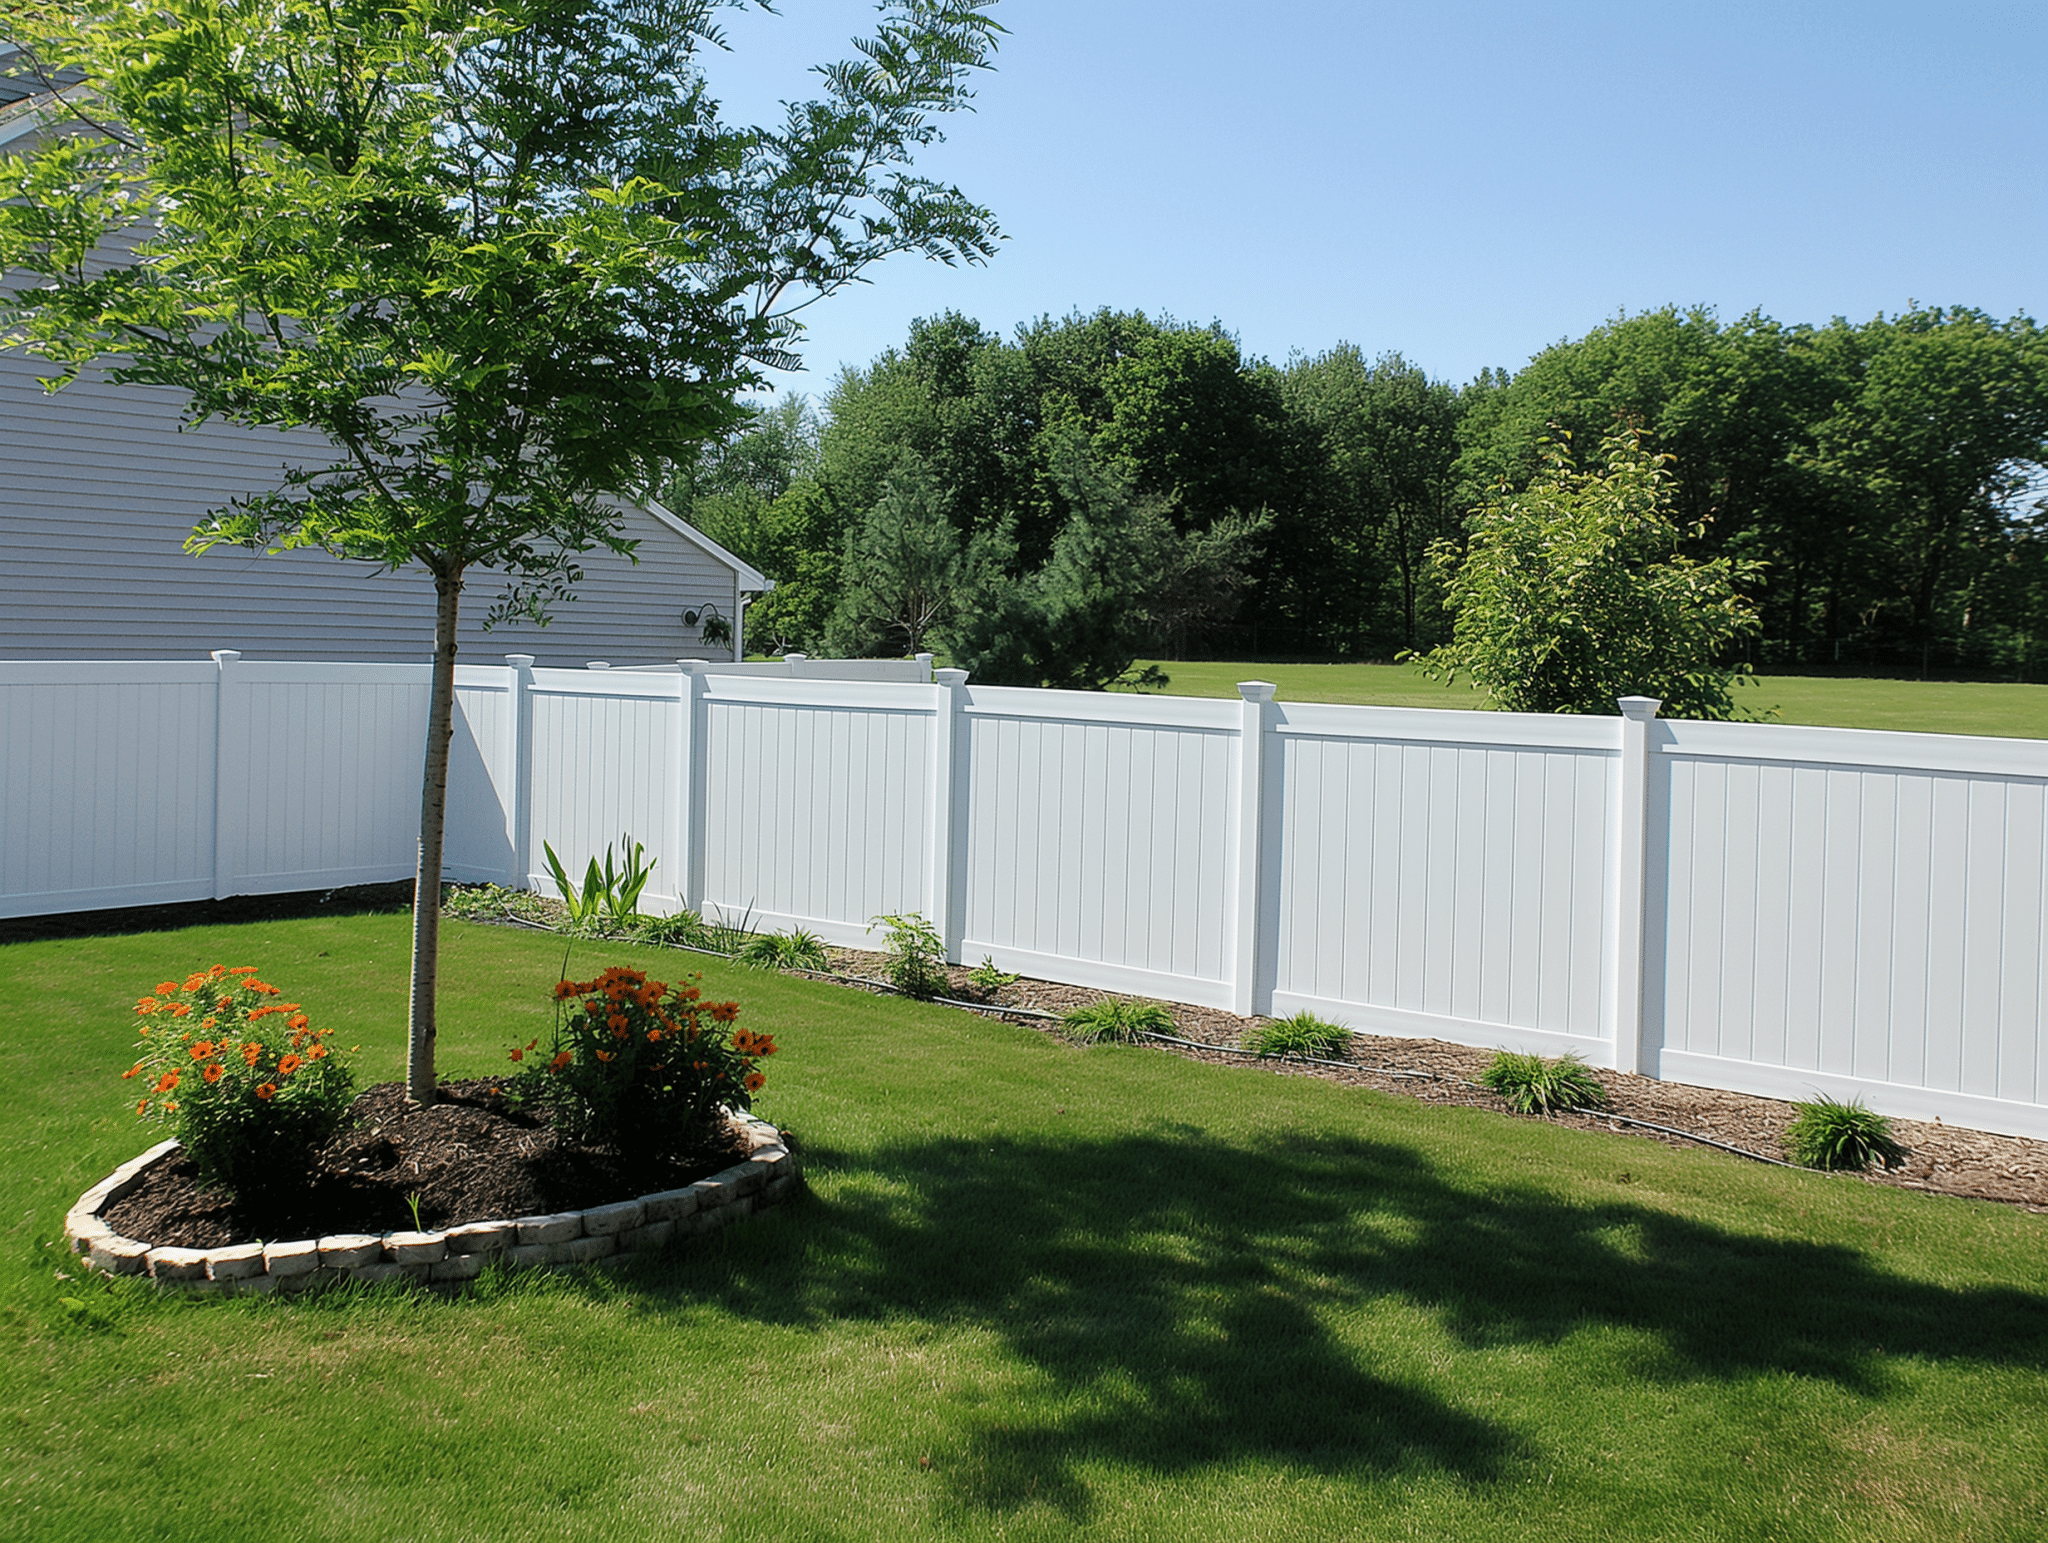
1463	181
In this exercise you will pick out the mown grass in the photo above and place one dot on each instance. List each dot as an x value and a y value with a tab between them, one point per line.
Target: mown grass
1038	1291
1934	707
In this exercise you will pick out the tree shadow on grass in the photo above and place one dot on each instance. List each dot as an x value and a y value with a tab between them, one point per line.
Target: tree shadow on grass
1172	1296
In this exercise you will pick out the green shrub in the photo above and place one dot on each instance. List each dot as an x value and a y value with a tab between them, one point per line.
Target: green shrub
1303	1034
1532	1085
792	950
1116	1020
247	1085
685	929
987	978
917	959
641	1067
1832	1135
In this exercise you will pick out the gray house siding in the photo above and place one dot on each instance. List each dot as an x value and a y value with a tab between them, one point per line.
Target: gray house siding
99	488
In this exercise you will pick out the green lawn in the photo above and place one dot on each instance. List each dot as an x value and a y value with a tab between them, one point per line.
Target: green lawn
1038	1292
1940	707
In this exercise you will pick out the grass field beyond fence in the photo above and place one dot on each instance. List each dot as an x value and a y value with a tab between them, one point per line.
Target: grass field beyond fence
1038	1292
1933	707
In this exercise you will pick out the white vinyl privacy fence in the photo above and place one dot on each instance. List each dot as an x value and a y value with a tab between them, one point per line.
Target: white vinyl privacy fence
1769	909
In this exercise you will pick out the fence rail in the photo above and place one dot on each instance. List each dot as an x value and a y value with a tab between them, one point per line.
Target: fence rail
1763	908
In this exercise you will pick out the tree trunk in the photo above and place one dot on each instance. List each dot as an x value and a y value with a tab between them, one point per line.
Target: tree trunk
426	895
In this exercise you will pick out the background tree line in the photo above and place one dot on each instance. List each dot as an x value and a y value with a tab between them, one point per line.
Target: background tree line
1110	487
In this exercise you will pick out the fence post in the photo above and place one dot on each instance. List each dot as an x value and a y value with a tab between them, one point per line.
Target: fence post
688	787
795	662
519	767
230	775
1251	807
950	690
924	664
1631	853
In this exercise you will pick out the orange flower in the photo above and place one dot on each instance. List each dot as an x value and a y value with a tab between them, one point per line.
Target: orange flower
593	1007
252	1052
146	1005
615	1022
289	1064
209	1023
201	1049
258	986
216	972
654	1036
181	1009
194	982
564	989
298	1021
133	1071
724	1012
291	1007
212	1072
691	993
562	1059
225	1003
166	1082
143	1107
318	1052
166	988
266	1091
243	969
604	1055
754	1081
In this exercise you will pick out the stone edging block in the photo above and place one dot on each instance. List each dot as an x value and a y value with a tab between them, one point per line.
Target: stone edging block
451	1257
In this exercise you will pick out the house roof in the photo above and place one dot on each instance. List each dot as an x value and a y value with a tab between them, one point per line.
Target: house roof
751	579
23	92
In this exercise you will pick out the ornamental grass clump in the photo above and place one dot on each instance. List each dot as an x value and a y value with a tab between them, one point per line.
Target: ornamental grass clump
639	1067
1832	1135
1532	1085
1302	1035
245	1082
1114	1020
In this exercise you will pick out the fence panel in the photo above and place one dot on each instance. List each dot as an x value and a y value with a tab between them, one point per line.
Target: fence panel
1444	874
1097	836
482	780
321	771
106	784
602	768
816	799
1855	914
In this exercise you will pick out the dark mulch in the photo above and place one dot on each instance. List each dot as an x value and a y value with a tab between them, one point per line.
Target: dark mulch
471	1156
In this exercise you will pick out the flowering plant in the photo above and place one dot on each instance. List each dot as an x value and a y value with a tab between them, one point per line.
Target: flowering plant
640	1066
246	1083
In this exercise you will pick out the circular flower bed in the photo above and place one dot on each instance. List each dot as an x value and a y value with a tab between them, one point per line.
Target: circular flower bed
447	1256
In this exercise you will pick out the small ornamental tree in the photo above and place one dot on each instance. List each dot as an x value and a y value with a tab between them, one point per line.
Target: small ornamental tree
505	255
1573	592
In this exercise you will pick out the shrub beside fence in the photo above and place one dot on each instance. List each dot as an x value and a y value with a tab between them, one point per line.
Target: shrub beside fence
1770	909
